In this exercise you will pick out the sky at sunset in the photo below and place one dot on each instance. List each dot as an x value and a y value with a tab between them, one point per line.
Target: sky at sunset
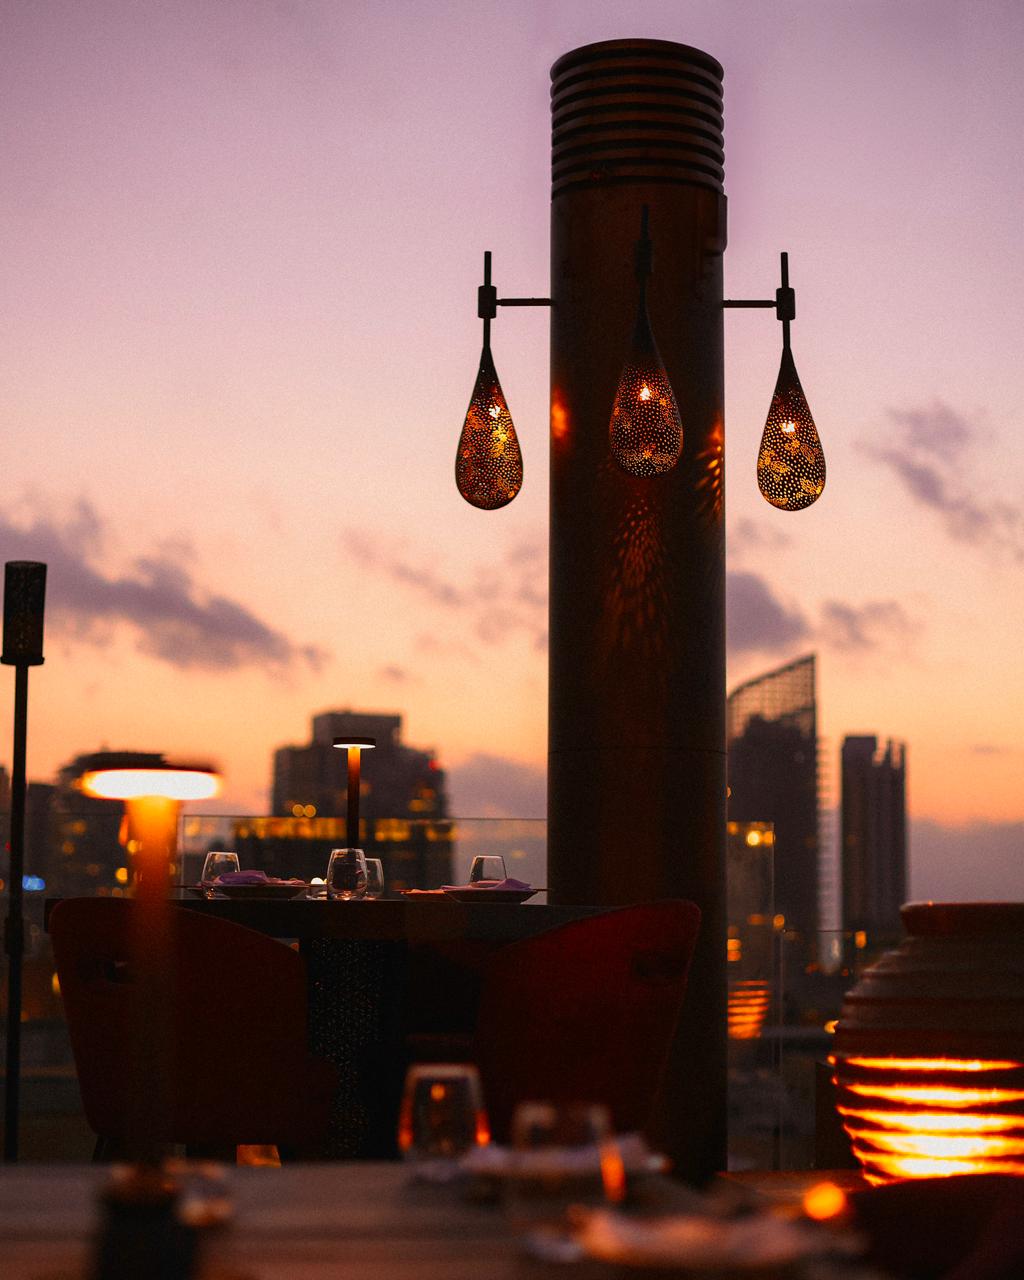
239	247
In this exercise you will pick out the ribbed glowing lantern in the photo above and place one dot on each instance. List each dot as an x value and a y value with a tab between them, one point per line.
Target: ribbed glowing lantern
748	1008
929	1051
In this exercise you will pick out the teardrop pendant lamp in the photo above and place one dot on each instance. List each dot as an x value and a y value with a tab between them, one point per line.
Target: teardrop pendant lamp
790	461
489	462
645	431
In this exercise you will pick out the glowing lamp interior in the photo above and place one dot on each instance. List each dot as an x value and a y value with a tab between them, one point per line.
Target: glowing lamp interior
132	784
926	1117
645	433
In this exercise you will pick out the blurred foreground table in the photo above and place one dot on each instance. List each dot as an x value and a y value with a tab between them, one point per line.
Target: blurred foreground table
304	1222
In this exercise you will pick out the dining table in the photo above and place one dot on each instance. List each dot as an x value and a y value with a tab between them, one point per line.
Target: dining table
373	1221
389	980
300	1222
368	1221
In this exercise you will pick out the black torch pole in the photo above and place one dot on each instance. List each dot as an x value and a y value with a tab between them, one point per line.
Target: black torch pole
24	597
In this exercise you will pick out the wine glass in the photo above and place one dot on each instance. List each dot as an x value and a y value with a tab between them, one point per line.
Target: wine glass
490	867
217	863
374	878
563	1155
346	874
442	1115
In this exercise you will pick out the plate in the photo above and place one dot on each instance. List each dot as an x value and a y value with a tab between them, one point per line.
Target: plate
490	895
257	890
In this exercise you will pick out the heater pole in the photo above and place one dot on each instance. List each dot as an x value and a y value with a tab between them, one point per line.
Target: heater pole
637	766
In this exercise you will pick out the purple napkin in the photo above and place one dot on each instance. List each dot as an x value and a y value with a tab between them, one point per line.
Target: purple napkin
510	884
248	877
241	877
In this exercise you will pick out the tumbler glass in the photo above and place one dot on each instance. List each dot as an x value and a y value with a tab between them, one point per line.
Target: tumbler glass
442	1115
346	874
489	867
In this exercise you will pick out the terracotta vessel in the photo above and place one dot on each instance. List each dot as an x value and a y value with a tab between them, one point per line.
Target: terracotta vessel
929	1048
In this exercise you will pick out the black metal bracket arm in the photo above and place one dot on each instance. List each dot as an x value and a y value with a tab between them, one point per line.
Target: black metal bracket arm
488	302
784	302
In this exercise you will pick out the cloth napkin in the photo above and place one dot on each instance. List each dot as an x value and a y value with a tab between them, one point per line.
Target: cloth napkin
519	885
249	877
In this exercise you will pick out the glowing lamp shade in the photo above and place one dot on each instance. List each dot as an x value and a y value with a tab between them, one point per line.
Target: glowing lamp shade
169	783
790	462
489	463
645	432
929	1060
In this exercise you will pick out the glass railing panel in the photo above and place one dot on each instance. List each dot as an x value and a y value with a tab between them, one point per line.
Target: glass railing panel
755	1099
416	853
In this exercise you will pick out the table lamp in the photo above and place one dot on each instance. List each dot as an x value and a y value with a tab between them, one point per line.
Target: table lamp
354	746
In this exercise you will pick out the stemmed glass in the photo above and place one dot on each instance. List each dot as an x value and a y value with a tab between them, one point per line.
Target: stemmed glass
490	867
217	863
374	878
346	874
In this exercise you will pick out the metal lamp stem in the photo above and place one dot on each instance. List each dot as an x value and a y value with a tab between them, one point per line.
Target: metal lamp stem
352	810
784	302
487	301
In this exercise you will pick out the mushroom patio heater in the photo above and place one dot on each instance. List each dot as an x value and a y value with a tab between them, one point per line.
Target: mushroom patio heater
153	796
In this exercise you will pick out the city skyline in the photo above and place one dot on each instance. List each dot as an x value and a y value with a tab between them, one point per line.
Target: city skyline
236	351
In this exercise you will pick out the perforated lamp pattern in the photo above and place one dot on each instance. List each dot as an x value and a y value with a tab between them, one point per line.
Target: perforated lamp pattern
645	431
489	463
790	461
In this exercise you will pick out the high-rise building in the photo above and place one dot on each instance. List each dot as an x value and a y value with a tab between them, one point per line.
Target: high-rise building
773	777
874	838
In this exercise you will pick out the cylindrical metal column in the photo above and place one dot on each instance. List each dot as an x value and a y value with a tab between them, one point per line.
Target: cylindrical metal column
637	789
